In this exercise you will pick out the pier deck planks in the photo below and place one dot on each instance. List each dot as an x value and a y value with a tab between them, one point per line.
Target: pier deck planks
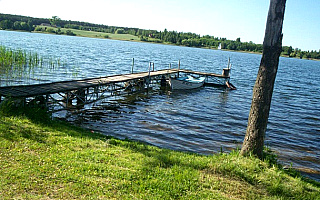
66	86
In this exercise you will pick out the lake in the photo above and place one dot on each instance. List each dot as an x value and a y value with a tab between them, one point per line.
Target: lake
203	121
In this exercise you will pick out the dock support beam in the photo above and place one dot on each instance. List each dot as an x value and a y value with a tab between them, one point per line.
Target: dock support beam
132	65
81	97
178	68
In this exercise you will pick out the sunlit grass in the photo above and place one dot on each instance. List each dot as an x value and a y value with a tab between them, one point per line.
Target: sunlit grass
45	159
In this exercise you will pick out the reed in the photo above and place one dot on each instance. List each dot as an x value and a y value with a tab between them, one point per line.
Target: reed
20	65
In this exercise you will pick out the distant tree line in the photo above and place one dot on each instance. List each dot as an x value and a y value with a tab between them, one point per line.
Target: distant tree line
289	51
195	40
17	22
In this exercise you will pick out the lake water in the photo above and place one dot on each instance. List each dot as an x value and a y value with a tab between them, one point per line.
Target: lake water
202	121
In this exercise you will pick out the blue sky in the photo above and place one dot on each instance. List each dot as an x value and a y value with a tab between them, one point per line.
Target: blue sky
221	18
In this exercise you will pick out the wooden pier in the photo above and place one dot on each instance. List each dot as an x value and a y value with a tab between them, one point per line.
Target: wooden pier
86	91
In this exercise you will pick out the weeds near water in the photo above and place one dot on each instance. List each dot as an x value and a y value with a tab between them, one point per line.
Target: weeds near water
21	65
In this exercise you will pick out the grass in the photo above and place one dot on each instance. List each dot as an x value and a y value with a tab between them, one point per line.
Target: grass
94	34
48	159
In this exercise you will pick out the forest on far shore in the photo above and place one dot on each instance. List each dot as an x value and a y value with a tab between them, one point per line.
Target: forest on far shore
17	22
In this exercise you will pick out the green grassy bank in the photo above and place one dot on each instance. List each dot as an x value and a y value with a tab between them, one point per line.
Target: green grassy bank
90	34
47	159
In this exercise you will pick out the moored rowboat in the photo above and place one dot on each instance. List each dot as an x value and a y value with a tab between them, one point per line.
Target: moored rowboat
185	83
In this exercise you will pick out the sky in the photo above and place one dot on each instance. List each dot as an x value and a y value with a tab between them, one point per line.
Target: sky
231	19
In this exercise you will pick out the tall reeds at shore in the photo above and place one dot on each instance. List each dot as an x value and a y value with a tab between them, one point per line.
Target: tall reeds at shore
21	65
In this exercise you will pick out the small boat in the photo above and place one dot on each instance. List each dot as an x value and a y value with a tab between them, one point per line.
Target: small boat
219	47
186	82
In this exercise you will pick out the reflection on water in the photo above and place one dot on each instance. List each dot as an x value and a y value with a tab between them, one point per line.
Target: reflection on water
203	120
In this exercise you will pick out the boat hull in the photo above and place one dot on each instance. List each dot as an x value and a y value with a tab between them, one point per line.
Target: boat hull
177	84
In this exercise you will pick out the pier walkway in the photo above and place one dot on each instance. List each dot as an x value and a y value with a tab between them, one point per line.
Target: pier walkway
89	90
66	86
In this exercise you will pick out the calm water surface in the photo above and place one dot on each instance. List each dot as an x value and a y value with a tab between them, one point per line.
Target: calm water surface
201	121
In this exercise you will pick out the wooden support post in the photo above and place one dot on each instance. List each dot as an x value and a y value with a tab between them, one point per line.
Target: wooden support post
153	66
149	69
81	96
132	66
148	81
178	68
96	91
68	99
47	100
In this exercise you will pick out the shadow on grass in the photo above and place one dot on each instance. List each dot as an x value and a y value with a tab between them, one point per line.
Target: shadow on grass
14	132
39	116
13	129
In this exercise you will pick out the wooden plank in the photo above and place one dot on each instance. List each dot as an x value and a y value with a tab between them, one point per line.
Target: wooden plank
66	86
204	73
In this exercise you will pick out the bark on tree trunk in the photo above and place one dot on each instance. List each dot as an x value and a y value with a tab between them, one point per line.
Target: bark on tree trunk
263	88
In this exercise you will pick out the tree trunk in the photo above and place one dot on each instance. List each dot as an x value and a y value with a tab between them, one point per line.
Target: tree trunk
263	88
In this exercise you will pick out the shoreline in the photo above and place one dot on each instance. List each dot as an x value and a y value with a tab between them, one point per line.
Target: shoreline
132	38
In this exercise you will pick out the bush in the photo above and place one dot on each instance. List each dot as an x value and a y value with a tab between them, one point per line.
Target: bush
119	31
144	39
59	32
38	28
69	32
50	30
